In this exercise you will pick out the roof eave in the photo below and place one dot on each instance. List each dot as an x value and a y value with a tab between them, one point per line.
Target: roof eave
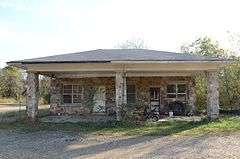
16	64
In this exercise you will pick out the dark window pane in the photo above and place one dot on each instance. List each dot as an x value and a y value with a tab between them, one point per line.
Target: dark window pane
77	98
67	86
77	89
131	98
181	88
131	94
131	89
171	88
171	96
67	99
154	93
67	89
182	97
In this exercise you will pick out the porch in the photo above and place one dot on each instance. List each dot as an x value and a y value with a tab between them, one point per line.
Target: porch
85	94
119	77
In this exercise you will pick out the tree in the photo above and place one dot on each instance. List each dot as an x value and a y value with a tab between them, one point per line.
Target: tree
44	89
132	44
229	76
11	82
204	46
230	85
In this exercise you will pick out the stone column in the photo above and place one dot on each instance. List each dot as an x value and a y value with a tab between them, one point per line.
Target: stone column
32	96
124	89
212	95
55	98
192	97
120	91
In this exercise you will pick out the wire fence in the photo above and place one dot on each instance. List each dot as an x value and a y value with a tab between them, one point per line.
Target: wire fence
17	112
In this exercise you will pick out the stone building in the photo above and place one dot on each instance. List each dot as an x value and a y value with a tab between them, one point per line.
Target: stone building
102	81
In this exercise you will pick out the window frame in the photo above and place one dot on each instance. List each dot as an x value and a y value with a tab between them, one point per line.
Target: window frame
135	94
176	91
72	94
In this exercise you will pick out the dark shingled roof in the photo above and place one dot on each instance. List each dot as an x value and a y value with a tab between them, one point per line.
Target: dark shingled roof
108	55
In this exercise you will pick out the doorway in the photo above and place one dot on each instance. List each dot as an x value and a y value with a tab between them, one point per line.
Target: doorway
99	100
155	98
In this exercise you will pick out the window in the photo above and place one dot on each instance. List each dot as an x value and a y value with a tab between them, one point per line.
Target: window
131	94
72	94
177	91
154	93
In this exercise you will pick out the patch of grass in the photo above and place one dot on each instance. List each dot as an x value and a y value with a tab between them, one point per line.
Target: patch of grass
222	125
16	115
8	101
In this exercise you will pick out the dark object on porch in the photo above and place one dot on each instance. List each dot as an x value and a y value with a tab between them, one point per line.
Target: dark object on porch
177	107
229	112
151	114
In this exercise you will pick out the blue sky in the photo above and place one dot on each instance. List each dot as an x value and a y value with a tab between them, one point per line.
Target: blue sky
35	28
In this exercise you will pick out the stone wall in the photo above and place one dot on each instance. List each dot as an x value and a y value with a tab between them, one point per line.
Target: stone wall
57	106
142	92
144	83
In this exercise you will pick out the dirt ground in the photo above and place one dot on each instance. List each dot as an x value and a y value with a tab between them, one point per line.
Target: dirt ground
49	144
57	144
8	108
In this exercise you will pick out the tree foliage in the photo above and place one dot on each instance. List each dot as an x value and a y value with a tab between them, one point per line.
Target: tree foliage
230	85
11	82
204	46
44	89
229	76
132	44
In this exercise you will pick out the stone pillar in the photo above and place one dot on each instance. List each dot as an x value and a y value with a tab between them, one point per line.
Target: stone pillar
192	97
124	89
120	91
32	96
212	95
55	98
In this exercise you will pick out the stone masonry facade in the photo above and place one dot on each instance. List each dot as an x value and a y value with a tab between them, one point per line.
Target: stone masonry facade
142	85
213	95
32	96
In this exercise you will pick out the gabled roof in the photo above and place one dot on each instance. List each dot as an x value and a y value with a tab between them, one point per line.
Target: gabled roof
109	55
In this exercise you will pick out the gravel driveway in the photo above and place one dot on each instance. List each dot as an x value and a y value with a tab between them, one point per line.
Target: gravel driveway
49	144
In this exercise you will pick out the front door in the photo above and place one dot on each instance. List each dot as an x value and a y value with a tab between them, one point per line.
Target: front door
99	100
155	98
